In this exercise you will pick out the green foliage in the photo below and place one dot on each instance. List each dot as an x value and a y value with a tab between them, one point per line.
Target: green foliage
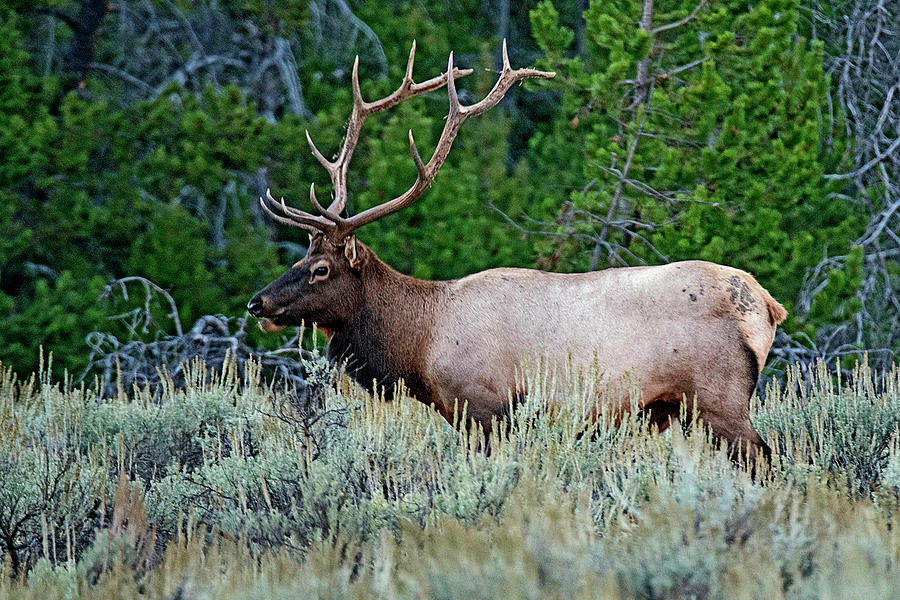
173	251
236	490
551	37
56	314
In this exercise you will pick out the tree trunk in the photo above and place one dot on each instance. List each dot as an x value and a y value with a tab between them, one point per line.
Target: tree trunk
643	70
14	562
77	60
580	7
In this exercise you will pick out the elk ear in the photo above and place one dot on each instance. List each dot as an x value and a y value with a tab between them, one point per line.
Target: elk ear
350	252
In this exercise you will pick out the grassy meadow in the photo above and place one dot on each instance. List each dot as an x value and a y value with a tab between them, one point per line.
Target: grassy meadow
230	489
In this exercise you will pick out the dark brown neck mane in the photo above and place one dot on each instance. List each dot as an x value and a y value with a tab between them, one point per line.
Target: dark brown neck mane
386	340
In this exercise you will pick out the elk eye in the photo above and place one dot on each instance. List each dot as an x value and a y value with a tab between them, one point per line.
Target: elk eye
320	272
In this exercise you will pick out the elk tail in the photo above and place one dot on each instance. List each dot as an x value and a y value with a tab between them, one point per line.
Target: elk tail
777	313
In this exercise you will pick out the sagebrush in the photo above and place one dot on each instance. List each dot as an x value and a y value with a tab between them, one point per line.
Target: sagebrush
229	488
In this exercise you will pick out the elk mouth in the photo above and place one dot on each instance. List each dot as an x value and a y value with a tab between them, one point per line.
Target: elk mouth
273	323
266	323
269	325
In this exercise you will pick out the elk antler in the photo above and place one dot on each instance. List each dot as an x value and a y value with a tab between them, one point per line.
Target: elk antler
329	221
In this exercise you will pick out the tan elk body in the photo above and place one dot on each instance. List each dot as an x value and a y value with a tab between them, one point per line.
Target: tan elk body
693	329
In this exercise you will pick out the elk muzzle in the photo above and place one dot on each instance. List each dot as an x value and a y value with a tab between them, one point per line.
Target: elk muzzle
257	308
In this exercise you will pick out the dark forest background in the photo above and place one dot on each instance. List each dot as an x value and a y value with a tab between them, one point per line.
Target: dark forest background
136	136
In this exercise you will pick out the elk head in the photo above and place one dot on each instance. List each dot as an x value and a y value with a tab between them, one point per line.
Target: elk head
325	286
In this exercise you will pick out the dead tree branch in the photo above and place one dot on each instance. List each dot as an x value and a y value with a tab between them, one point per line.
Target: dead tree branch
693	14
864	61
149	354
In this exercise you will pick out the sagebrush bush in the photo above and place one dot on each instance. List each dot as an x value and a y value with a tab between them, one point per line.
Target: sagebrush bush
844	428
230	489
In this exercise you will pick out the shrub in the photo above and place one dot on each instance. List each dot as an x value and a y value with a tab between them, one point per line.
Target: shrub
236	489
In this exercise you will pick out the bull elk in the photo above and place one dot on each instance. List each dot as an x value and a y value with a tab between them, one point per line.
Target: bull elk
694	329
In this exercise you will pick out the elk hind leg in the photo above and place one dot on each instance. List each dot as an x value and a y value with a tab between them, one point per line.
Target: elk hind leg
725	409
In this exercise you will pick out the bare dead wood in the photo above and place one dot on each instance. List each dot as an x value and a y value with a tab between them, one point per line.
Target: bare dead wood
123	75
617	196
690	17
63	15
643	70
150	354
868	78
878	159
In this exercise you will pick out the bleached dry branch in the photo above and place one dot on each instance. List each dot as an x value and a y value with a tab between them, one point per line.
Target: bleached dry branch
215	339
864	59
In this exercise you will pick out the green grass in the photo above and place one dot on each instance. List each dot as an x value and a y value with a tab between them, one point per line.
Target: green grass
230	490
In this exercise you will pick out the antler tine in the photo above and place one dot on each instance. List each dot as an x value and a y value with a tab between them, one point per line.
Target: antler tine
294	217
451	90
272	214
420	166
334	173
289	211
279	218
322	160
358	102
323	211
408	77
506	66
508	77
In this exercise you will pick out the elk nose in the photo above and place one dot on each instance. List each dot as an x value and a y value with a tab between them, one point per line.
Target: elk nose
254	307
